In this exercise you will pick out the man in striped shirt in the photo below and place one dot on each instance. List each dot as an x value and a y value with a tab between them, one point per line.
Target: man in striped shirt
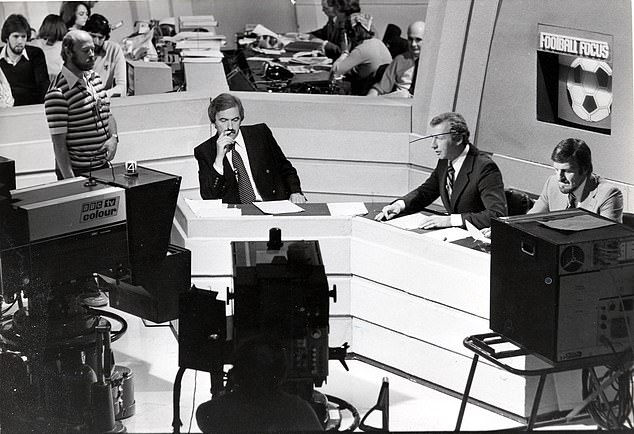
83	131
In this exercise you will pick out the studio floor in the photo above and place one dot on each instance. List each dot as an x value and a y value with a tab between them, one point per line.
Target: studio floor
152	355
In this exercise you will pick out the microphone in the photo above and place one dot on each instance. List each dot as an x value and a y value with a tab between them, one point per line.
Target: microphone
92	181
430	136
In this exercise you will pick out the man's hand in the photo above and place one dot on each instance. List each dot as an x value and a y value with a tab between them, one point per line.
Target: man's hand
224	143
436	222
486	232
298	198
390	211
110	146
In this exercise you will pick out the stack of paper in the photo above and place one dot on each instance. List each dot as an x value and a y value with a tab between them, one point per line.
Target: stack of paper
211	208
207	22
199	46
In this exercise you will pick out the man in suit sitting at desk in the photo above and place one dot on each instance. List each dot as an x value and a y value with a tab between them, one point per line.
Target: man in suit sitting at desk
243	164
468	181
575	186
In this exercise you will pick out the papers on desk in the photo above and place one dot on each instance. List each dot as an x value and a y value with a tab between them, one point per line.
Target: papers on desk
475	233
448	234
211	208
260	30
278	207
269	51
409	222
347	208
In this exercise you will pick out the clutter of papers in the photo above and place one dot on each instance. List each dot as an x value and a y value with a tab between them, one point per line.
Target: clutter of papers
211	208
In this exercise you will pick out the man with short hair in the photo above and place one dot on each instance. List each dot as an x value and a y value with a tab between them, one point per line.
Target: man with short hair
399	78
468	181
575	186
109	58
23	66
331	32
243	164
83	131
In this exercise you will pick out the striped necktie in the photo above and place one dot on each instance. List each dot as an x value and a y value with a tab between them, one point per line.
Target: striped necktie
450	178
245	190
572	201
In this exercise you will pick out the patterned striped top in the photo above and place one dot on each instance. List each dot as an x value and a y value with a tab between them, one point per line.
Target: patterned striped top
78	107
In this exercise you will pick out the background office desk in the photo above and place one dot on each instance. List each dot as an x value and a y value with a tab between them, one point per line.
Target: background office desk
405	299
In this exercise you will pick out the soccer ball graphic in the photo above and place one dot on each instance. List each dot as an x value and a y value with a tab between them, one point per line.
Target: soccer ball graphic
590	89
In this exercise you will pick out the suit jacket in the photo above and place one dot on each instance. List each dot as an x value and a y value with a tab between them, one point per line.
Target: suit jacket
478	190
598	196
274	176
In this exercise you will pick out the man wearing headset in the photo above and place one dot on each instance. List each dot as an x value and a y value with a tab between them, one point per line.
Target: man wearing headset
468	182
109	58
83	131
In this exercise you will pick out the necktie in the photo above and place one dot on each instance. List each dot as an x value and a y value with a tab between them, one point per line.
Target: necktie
450	178
245	190
413	85
572	201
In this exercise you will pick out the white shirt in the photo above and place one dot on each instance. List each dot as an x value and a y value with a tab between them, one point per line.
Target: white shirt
242	150
5	55
456	219
579	192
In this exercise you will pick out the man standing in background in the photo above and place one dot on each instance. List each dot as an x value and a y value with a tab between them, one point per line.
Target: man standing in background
83	131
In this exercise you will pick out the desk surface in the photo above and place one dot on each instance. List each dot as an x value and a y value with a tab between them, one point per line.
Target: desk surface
321	209
316	81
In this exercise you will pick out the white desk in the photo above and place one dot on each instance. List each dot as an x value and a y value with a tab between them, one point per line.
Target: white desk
405	299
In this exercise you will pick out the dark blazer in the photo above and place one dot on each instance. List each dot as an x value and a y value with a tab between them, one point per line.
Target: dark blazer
478	191
274	176
331	33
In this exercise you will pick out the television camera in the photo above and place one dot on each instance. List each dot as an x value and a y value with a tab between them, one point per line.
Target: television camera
280	290
59	241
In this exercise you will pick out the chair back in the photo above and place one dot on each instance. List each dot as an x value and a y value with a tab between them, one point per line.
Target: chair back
518	202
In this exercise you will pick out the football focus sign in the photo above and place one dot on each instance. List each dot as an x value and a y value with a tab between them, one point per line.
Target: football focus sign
584	75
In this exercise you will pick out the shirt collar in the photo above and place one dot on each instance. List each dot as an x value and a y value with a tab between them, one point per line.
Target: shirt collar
457	162
239	140
73	79
5	55
578	192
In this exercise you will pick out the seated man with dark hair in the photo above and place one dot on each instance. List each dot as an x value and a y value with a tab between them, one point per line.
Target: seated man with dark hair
468	181
243	164
255	402
575	186
24	66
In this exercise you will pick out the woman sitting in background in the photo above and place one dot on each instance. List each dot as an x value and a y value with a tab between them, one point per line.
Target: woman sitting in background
368	53
74	14
49	40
